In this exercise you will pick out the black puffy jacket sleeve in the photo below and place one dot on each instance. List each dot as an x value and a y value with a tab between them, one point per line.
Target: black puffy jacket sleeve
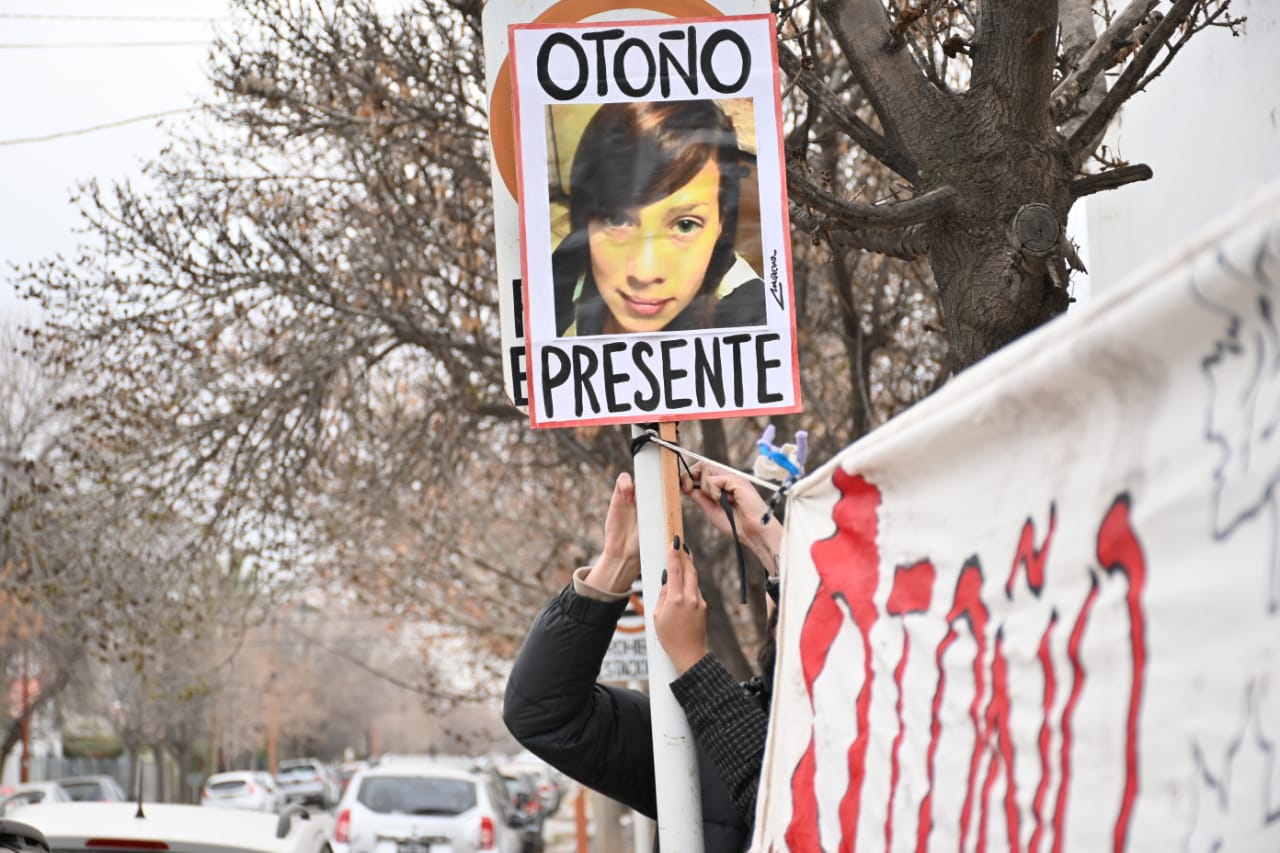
599	735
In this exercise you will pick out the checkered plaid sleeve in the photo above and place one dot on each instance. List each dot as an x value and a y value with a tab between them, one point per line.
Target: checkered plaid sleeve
729	723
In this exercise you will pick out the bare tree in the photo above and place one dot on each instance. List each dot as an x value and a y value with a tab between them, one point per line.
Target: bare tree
291	340
31	421
35	646
989	113
296	344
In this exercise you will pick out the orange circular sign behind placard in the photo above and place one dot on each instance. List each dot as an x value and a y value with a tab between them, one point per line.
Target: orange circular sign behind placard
637	609
501	130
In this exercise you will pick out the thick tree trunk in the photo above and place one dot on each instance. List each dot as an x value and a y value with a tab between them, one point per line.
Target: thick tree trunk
992	288
994	145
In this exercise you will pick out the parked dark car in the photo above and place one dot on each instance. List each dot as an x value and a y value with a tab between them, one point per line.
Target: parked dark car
550	782
523	789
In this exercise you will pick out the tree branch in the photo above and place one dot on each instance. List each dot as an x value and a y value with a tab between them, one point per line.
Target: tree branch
1098	58
1075	20
1077	36
846	119
890	79
1110	180
1210	20
906	243
851	214
1129	80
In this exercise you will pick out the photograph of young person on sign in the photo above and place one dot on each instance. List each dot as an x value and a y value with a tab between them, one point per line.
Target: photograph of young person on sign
658	222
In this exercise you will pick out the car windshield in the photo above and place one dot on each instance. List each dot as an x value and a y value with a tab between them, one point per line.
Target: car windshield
82	791
419	795
226	785
297	770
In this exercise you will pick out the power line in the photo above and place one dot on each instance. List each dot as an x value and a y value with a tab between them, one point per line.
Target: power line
32	17
43	46
96	127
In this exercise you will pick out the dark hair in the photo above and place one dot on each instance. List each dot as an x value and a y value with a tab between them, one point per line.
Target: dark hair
631	155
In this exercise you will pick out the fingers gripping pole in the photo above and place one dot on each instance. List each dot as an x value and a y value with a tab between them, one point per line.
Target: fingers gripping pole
675	762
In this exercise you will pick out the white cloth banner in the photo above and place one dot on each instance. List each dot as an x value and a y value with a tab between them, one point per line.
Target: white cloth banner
1040	611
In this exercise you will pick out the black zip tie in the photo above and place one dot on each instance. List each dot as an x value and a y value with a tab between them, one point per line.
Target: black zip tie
648	435
639	440
685	463
737	545
772	507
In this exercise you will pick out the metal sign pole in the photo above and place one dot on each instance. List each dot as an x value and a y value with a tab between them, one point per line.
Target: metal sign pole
674	759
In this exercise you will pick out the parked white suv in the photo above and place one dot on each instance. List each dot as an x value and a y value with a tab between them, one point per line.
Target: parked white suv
422	804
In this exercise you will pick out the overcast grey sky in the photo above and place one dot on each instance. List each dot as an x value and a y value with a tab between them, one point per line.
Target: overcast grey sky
71	65
86	87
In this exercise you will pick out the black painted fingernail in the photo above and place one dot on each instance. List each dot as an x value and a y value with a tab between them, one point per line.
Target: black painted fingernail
664	577
675	543
685	548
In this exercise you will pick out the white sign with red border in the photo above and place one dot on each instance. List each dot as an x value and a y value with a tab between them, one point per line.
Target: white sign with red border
498	16
613	340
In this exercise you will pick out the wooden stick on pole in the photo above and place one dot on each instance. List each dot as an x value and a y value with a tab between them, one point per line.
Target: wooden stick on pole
674	758
670	483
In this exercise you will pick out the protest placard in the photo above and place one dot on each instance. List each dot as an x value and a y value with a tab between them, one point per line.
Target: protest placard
654	231
498	16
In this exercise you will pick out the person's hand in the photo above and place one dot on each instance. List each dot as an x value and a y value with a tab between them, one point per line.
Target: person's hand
706	486
680	619
619	564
